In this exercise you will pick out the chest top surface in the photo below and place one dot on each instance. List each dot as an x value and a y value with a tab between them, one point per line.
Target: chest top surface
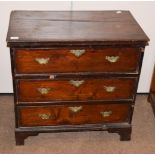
47	27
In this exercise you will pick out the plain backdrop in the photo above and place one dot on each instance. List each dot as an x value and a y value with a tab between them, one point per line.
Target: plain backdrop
144	13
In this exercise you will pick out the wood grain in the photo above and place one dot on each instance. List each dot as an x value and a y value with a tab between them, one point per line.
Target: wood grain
41	27
62	60
91	89
52	34
62	115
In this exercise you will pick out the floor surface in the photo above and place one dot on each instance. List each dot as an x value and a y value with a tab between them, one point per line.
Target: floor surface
142	141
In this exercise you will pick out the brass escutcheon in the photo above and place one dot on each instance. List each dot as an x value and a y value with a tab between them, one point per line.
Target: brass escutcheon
43	91
76	83
75	109
109	89
112	59
78	52
106	113
42	61
44	116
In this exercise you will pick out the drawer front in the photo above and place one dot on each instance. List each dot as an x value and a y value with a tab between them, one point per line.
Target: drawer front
65	90
73	115
83	60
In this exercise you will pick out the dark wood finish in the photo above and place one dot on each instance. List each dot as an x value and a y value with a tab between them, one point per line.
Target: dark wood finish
125	133
123	129
151	99
62	60
152	88
22	135
63	115
43	34
151	96
90	89
70	27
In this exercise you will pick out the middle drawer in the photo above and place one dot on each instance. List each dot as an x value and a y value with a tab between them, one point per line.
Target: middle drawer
73	90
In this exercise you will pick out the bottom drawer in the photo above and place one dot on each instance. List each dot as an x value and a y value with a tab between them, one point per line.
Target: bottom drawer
73	115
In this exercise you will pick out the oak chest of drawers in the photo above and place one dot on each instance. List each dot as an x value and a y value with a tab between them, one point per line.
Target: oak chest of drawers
74	71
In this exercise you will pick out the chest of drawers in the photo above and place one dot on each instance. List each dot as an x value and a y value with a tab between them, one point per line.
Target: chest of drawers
74	71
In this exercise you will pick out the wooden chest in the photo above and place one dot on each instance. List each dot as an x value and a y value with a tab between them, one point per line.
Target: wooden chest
74	71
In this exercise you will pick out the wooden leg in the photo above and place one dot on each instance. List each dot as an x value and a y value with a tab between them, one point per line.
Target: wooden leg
151	99
148	98
21	136
125	133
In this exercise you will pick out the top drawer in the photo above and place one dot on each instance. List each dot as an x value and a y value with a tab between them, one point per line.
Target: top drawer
117	60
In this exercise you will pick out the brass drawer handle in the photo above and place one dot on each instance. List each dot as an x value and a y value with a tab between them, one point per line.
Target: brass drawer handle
109	89
43	91
75	109
112	59
76	83
44	116
78	52
106	113
42	61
